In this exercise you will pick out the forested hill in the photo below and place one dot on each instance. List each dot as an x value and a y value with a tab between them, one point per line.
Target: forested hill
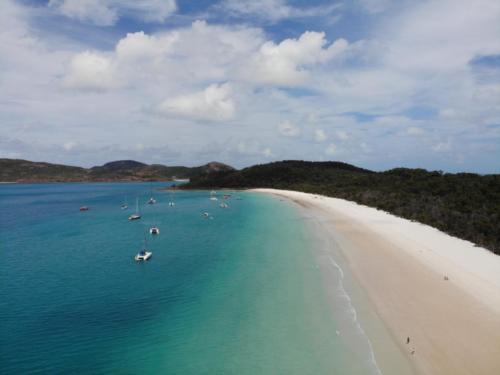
465	205
17	170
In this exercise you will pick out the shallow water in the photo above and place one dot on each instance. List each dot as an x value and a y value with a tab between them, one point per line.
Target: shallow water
239	292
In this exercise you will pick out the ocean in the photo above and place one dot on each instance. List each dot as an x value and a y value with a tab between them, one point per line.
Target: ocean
239	292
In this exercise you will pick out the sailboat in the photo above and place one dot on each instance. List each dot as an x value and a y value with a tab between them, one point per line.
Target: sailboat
171	203
124	205
144	254
151	200
137	214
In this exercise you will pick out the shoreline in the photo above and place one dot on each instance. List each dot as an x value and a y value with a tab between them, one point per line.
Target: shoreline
441	292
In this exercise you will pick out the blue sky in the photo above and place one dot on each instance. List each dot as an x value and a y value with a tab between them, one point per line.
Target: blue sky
376	83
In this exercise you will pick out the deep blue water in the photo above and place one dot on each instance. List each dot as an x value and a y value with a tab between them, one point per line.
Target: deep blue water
236	293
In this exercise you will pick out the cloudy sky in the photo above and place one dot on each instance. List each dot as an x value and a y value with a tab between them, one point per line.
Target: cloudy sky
376	83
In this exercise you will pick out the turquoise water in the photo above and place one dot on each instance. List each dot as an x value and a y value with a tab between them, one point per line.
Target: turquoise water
239	293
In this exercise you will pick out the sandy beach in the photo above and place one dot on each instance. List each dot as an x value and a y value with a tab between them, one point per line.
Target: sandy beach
438	292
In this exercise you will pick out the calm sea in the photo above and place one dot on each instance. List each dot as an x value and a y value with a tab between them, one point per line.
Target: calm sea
237	293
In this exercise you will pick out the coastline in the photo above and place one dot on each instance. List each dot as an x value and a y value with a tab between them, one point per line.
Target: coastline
441	292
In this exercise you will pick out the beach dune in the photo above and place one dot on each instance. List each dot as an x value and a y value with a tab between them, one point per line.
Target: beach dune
439	296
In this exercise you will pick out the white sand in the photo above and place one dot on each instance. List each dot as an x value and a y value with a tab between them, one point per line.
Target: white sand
454	324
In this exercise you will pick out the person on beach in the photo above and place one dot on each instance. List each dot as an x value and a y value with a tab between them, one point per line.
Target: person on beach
408	340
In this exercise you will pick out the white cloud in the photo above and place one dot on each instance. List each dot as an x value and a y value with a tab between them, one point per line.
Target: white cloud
139	46
90	71
95	11
319	135
331	149
274	10
107	12
287	63
289	129
213	103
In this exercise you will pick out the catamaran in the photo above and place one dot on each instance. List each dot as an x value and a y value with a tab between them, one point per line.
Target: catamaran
144	254
171	203
137	214
154	229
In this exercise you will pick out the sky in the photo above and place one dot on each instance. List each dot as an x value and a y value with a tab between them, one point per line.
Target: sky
375	83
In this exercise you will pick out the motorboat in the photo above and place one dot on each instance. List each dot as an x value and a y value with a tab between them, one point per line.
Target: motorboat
143	255
84	208
154	230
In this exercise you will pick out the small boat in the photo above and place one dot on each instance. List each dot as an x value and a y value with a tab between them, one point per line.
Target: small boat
151	200
206	215
137	214
144	254
124	205
84	208
224	205
171	204
226	196
154	230
214	199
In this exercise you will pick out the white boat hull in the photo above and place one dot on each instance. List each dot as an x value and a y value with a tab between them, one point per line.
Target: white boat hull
143	257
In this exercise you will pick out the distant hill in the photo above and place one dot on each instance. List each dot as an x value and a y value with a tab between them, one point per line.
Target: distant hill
16	170
465	205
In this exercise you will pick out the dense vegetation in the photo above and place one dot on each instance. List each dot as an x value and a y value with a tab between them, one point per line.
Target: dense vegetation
16	170
464	205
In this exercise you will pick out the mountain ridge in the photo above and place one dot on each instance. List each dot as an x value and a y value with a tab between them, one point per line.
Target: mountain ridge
20	170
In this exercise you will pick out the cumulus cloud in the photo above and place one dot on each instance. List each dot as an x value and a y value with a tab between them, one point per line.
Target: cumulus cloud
107	12
213	103
289	129
138	46
90	71
287	63
174	60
